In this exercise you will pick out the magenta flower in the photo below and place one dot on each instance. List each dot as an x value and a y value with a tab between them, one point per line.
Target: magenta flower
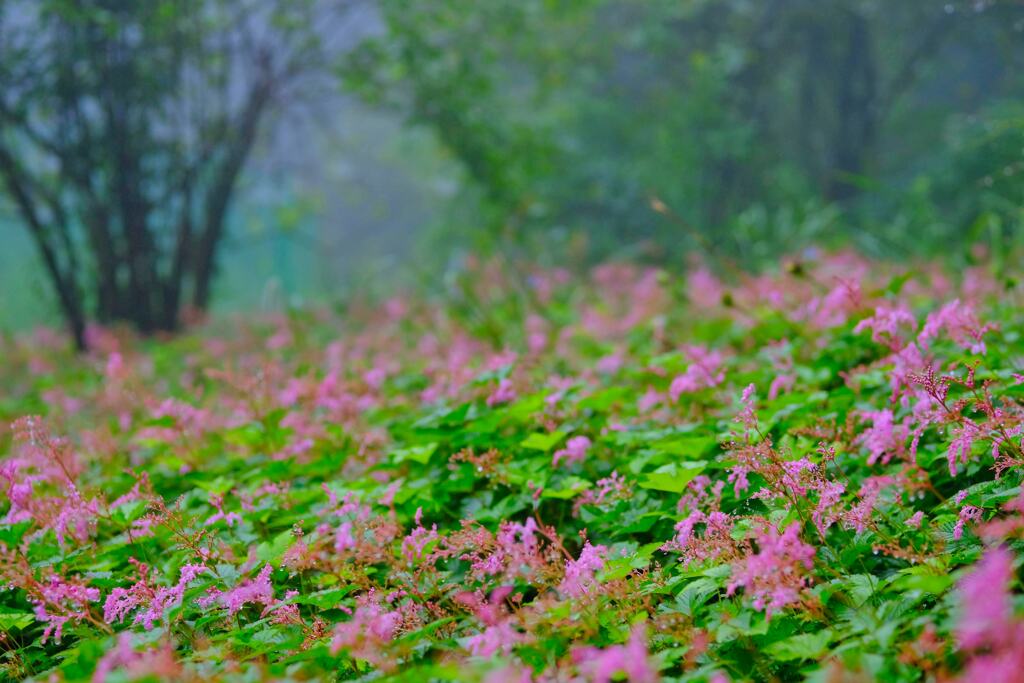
987	615
153	601
883	438
776	575
504	393
495	639
61	601
575	451
885	324
579	573
156	662
630	661
961	324
258	591
705	371
964	436
748	416
987	629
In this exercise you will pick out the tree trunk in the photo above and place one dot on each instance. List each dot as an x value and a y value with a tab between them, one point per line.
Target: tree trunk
63	280
219	198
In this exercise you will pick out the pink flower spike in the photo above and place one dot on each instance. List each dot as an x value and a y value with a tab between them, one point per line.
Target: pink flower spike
258	591
504	393
575	451
776	575
748	416
914	521
987	613
630	661
579	574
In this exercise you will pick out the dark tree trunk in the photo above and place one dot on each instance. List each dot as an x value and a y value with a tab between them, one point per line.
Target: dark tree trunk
219	198
124	183
62	277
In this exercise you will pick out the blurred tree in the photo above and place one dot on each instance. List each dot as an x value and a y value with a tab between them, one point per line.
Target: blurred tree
125	127
739	117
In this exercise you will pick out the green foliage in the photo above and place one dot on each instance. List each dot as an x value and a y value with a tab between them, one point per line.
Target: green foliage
761	126
345	497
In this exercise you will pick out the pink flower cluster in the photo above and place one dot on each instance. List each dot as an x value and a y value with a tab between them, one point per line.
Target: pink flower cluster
152	601
778	572
575	451
579	573
987	629
630	661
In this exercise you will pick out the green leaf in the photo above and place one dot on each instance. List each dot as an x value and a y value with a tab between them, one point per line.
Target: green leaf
803	646
272	552
10	620
673	477
570	487
540	441
11	535
420	454
324	599
694	446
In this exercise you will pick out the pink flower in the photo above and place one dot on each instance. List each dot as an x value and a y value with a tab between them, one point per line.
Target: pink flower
964	436
258	591
778	572
115	369
517	549
782	382
704	371
374	377
610	364
738	478
607	491
648	400
60	601
882	439
156	663
575	451
496	639
833	308
885	324
987	630
968	513
155	600
579	573
371	628
703	288
284	612
414	545
504	393
630	660
828	509
748	416
343	538
914	521
987	613
859	516
715	543
230	518
960	322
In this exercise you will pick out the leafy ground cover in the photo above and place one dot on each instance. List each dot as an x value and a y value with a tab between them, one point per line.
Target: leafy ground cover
627	475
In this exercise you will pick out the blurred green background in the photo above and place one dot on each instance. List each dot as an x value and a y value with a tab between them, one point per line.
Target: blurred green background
733	130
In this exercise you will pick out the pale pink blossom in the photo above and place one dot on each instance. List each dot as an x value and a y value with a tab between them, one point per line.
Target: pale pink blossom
778	572
575	451
630	661
579	573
